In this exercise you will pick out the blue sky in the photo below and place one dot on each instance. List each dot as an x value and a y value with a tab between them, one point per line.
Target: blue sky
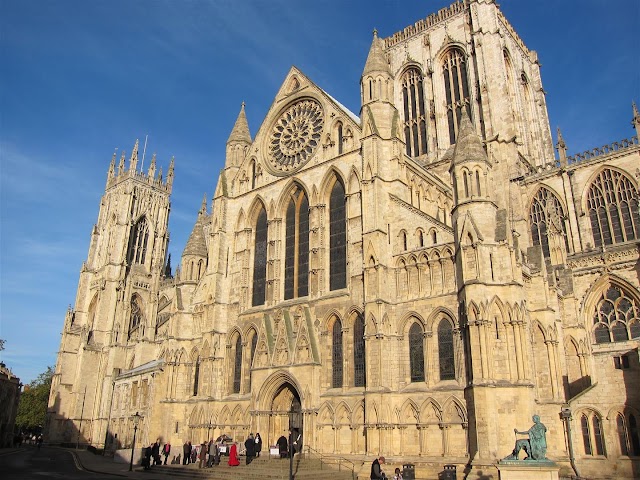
79	79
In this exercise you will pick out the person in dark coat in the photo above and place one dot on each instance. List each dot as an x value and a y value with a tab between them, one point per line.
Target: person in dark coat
155	452
283	445
376	471
250	445
186	452
203	454
166	450
258	444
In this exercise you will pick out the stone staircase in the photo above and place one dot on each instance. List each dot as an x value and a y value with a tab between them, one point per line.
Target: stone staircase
262	468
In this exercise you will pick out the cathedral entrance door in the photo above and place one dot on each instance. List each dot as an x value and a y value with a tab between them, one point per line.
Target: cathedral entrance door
286	414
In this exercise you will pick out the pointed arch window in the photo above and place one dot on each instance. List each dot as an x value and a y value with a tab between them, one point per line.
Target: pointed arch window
445	351
612	202
340	139
296	263
138	238
359	373
254	343
416	352
237	366
546	217
415	123
135	318
628	434
617	316
336	355
592	434
260	260
337	237
196	376
456	85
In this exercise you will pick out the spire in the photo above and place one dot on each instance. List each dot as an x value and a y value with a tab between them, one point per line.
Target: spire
121	164
112	167
196	244
133	161
152	167
562	149
170	174
167	268
377	60
240	132
468	144
636	119
203	207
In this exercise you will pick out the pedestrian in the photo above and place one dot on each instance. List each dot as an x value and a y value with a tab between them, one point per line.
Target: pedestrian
250	445
398	475
40	439
155	452
216	454
282	446
194	453
203	454
297	442
376	471
146	457
258	444
186	452
233	456
166	450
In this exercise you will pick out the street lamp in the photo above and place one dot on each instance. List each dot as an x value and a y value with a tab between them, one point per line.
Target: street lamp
136	420
292	412
209	427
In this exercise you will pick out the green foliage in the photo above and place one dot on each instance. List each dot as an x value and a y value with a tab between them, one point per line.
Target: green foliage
32	410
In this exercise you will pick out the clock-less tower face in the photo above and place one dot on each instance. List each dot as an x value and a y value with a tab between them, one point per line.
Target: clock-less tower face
295	136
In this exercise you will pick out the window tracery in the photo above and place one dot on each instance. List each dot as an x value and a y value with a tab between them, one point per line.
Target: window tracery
296	269
336	355
415	124
547	219
456	86
445	351
337	237
237	368
360	375
138	238
416	353
260	260
612	202
617	316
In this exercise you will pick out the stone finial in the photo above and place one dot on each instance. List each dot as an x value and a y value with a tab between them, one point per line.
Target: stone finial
636	119
112	167
170	173
133	160
121	164
562	149
203	207
152	167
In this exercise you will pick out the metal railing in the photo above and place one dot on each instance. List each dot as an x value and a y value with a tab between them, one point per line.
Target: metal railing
328	460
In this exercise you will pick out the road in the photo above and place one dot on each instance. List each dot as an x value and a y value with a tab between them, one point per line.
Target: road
29	463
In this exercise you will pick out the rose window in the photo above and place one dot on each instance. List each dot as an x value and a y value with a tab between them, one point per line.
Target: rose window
296	135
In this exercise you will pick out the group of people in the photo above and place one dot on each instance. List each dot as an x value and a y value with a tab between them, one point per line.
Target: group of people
151	454
207	454
296	443
377	472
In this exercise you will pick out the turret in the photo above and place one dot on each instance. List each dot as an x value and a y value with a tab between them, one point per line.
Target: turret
170	174
112	168
562	149
194	256
636	119
239	140
376	84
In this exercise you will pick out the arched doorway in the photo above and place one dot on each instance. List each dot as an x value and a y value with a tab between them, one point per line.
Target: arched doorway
285	413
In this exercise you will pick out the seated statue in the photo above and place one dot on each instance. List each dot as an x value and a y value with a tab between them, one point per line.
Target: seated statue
535	446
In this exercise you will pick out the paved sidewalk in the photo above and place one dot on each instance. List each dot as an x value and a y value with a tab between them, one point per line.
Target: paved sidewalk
91	462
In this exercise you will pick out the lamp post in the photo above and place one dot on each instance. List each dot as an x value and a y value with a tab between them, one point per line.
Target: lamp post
136	420
291	414
209	427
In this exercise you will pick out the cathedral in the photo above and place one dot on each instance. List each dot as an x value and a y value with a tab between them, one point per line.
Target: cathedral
413	280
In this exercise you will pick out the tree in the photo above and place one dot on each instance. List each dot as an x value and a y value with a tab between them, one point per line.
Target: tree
32	410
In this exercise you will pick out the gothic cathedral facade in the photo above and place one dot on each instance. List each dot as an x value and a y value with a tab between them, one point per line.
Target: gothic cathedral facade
415	280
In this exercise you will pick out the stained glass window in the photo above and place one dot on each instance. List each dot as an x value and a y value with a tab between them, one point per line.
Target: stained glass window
138	238
456	87
296	265
416	353
445	351
546	215
260	260
196	377
586	436
360	378
612	202
336	355
337	238
415	123
237	368
622	434
617	316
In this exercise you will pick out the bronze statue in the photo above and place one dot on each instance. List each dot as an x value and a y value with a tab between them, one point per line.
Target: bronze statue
535	446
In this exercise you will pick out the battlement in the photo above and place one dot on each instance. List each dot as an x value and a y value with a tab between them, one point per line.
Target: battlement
604	150
426	23
154	181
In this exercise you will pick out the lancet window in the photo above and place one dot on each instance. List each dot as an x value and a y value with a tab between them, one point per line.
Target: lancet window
337	237
260	260
135	318
628	437
196	376
416	352
360	374
546	218
456	85
617	316
138	238
237	367
612	203
254	344
336	355
415	123
296	263
592	435
445	351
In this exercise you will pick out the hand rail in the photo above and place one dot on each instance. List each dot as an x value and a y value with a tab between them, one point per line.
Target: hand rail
332	459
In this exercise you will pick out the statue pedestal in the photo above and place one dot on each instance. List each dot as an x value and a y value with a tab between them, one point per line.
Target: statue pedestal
527	470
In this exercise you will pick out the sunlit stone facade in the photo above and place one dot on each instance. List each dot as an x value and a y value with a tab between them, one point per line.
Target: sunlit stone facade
414	280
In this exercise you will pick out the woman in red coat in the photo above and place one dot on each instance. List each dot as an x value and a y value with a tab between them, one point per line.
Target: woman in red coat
233	456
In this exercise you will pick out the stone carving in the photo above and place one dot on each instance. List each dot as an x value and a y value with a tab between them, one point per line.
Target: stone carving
535	446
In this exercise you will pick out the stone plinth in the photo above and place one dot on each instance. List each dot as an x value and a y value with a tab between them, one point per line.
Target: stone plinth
527	470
